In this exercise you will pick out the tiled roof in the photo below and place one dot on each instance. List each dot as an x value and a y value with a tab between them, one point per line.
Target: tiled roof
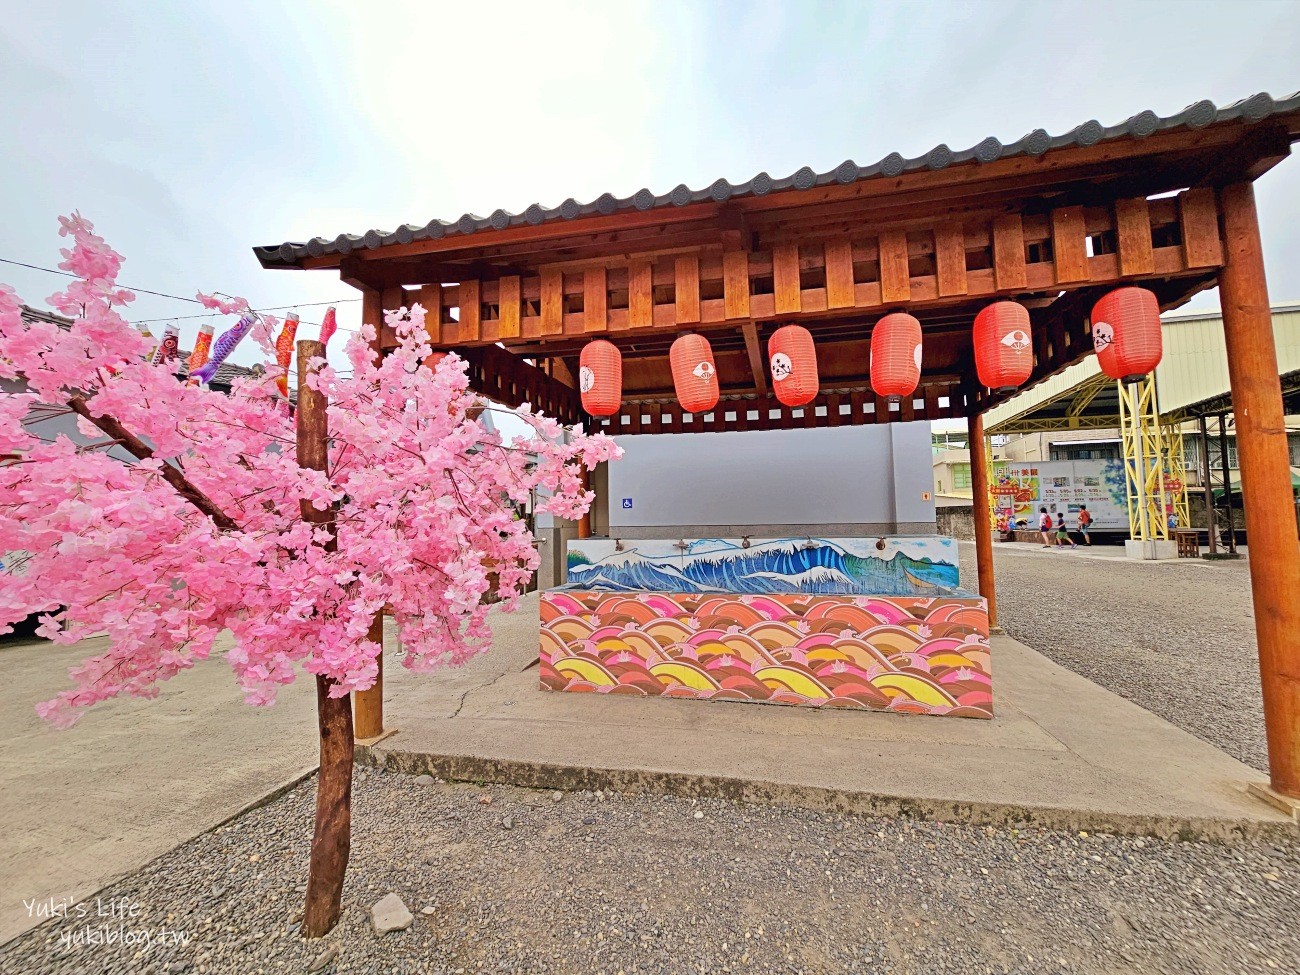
1200	115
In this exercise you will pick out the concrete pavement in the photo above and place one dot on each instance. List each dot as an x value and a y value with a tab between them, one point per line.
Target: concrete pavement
1061	752
134	778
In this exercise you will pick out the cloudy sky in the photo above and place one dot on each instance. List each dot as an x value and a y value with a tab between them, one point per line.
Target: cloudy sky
189	132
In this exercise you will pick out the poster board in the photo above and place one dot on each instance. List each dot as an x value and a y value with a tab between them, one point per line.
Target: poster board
1020	488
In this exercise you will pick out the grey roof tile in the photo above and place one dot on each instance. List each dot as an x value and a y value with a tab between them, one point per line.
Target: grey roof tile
1139	126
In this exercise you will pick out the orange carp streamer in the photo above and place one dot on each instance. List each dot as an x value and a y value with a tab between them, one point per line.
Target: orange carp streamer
284	351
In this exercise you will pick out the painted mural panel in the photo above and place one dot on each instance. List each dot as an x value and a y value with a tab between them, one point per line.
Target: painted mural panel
892	566
906	654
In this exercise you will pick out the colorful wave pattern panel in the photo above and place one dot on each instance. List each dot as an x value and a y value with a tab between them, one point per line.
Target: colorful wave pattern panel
907	654
894	565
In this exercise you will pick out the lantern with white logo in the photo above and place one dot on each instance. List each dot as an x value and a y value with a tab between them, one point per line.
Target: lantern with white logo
896	356
793	358
1126	333
695	376
600	378
1004	354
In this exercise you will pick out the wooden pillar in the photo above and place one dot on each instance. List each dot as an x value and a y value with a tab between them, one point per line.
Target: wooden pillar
584	523
1265	480
979	482
369	707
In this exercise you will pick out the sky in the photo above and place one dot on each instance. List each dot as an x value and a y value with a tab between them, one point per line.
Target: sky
190	132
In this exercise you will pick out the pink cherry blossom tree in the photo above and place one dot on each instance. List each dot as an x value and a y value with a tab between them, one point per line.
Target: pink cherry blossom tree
216	527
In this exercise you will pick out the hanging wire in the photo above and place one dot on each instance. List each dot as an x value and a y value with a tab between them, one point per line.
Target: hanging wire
193	301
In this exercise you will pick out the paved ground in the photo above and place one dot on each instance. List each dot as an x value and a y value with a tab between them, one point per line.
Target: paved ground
1059	753
82	807
630	884
640	883
1176	637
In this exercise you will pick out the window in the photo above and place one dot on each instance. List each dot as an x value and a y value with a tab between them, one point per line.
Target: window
961	477
1092	451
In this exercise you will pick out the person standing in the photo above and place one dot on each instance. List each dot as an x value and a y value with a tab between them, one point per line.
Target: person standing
1085	522
1045	527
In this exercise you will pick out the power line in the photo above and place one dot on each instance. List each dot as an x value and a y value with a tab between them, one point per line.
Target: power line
193	301
301	304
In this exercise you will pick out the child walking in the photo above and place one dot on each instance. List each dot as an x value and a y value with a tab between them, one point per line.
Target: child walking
1063	533
1085	522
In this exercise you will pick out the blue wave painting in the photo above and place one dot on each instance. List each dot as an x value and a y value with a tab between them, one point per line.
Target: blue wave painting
905	566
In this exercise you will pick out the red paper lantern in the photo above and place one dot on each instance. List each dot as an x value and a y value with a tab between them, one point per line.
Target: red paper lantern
793	358
1004	354
1126	333
600	378
896	356
695	377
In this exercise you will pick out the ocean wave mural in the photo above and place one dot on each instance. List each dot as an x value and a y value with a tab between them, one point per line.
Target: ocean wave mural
906	654
892	566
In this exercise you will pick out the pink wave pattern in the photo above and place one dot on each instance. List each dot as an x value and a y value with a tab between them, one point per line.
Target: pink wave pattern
906	654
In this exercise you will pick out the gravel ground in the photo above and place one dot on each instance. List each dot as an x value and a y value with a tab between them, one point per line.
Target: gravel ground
589	883
1177	638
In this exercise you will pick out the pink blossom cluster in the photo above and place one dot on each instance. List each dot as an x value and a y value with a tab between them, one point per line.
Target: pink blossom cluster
426	504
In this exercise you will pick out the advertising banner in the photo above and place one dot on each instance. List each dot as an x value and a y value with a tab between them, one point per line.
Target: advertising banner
1021	488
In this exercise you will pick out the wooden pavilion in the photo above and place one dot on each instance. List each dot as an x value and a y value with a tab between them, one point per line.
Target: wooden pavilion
1050	221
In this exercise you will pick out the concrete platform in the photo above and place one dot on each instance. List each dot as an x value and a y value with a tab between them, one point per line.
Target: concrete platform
1062	752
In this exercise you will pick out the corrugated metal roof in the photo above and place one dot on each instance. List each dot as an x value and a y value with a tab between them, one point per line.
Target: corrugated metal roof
1195	363
1200	115
1194	367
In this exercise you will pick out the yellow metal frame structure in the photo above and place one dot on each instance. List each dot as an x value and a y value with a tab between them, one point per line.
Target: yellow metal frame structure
1176	469
1153	456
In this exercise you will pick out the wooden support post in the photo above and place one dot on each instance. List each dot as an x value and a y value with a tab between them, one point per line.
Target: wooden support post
1209	491
979	481
332	839
584	523
1266	489
1226	474
368	709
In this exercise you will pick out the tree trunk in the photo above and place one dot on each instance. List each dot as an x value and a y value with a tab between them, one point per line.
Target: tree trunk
332	841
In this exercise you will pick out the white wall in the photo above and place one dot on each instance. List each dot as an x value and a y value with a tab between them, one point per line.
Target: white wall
870	476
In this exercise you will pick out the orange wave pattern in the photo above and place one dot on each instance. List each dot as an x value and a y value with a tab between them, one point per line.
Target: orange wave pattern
908	654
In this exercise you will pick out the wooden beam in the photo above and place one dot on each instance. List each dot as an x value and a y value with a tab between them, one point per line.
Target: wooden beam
595	300
785	278
839	273
504	377
950	257
750	331
430	299
1009	271
508	298
895	278
687	289
734	230
735	284
1199	214
471	311
1133	236
552	310
640	295
1069	245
